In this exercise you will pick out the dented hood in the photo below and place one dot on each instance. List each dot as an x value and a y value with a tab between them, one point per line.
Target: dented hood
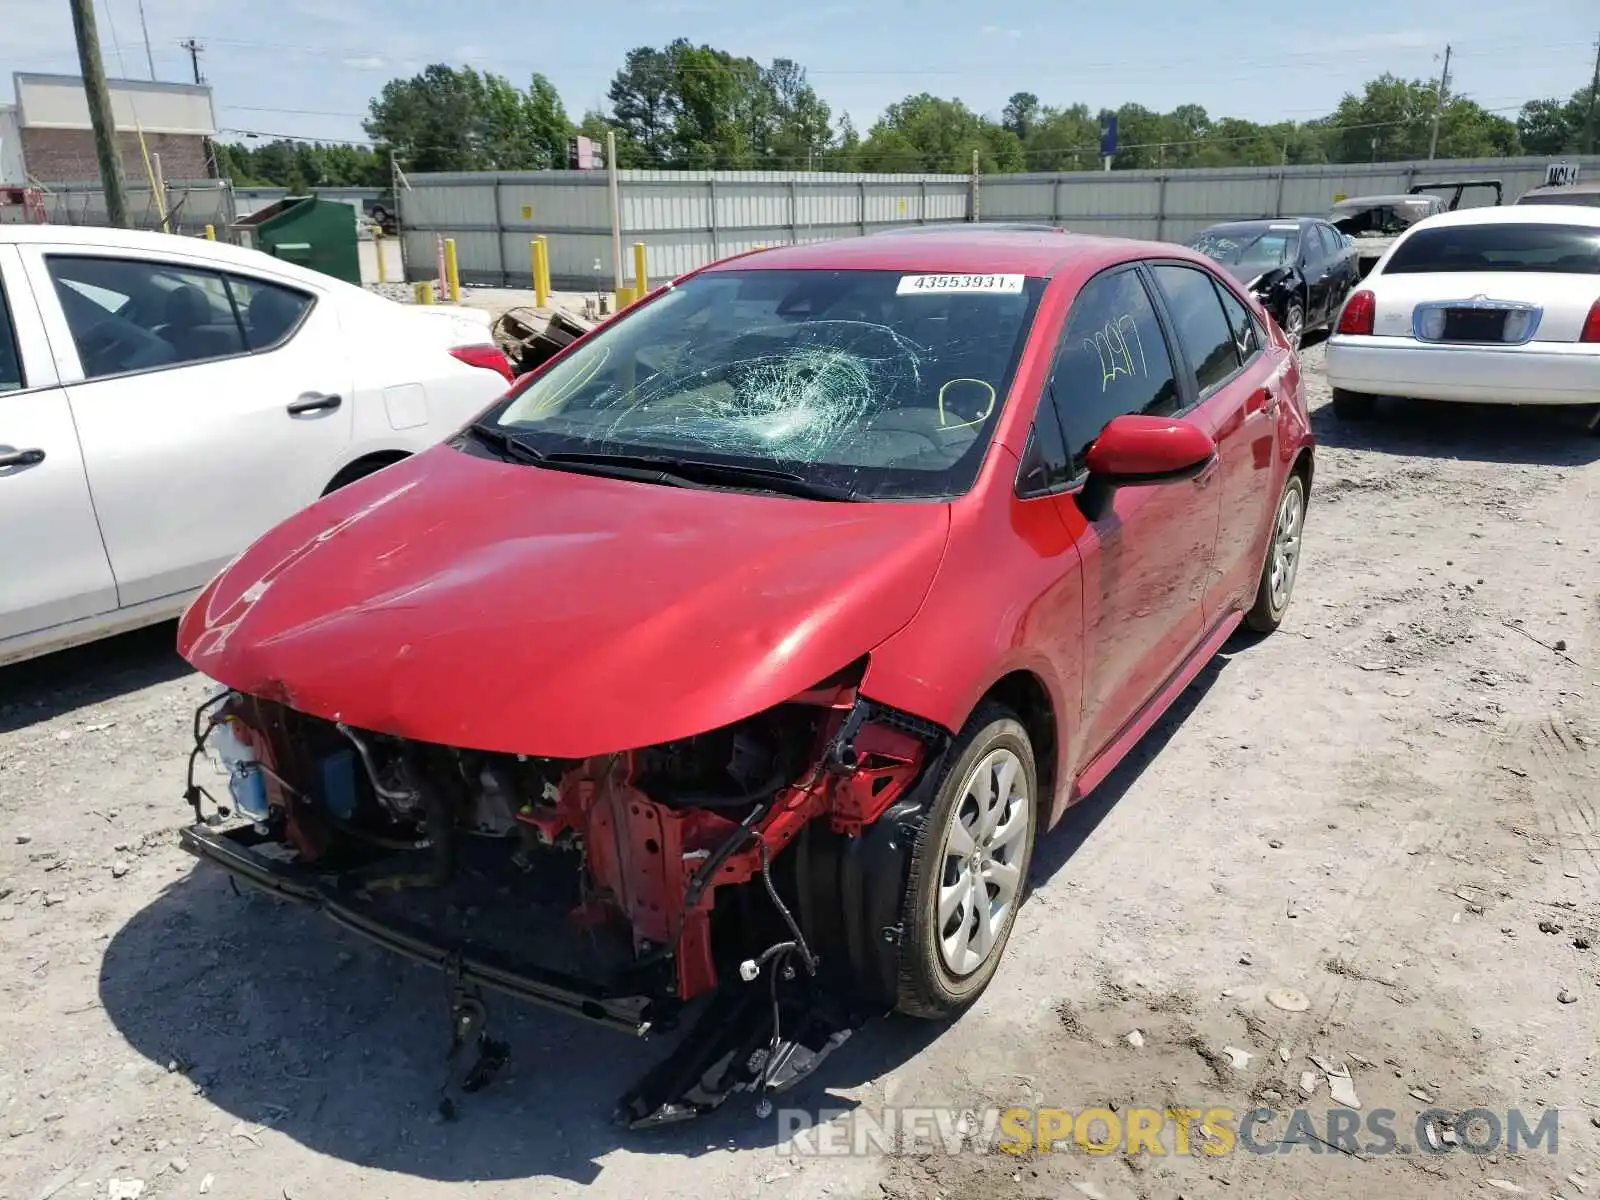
474	603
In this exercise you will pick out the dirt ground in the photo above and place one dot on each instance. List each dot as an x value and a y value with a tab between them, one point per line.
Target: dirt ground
1392	808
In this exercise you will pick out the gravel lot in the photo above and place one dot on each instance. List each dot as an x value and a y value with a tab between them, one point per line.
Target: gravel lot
1390	808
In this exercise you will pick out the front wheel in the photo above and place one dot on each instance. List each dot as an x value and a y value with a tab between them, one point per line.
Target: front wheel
1294	323
1276	587
969	864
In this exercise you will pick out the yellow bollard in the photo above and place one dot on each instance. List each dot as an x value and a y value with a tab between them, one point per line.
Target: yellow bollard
422	291
452	270
624	297
211	233
641	282
541	272
377	247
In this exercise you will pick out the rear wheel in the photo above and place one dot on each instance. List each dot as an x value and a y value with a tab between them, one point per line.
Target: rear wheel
969	864
1353	406
1278	573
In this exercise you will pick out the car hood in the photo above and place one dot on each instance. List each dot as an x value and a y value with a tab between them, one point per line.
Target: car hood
487	605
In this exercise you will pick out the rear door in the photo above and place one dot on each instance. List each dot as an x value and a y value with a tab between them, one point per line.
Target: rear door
53	566
1238	376
209	404
1146	562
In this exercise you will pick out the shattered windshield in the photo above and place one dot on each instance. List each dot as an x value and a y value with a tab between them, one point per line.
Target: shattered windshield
886	383
1250	245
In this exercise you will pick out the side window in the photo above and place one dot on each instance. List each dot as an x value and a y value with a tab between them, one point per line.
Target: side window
270	313
1113	360
1246	332
10	355
128	315
1202	327
1331	245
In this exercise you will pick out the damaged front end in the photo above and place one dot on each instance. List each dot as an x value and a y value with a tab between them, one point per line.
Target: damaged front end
758	866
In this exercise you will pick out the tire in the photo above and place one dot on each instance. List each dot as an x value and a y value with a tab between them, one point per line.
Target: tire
1294	323
938	981
1281	564
1353	406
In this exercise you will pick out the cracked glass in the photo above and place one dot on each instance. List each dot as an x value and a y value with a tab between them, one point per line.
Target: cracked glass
841	377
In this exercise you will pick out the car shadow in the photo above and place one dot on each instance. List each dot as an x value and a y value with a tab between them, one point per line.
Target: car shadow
1514	434
283	1019
1056	848
40	689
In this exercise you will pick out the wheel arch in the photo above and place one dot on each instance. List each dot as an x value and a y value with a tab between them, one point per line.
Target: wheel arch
1024	693
364	465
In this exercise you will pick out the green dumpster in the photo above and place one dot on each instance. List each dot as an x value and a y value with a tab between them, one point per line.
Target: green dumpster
309	231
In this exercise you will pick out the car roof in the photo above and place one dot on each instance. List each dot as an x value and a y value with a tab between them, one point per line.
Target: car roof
1556	189
955	251
1264	223
1511	214
222	254
1391	198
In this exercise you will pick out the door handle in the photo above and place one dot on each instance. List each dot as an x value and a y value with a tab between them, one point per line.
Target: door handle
21	458
312	402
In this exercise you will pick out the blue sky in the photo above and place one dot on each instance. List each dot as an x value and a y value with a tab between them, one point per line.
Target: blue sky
308	67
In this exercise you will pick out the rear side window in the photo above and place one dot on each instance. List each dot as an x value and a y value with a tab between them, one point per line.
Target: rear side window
1202	326
1551	248
1248	335
270	314
139	315
10	354
1113	360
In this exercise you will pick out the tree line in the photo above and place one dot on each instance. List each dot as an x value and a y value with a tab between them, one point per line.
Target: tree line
688	107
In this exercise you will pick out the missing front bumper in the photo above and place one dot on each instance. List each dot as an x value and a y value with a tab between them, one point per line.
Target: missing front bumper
235	852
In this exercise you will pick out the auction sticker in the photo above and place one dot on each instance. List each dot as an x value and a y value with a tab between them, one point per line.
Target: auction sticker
916	285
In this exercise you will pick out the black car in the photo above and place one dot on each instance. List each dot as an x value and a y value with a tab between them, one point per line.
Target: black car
1301	268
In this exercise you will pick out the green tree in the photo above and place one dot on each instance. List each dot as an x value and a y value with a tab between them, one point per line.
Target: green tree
1021	114
458	119
939	136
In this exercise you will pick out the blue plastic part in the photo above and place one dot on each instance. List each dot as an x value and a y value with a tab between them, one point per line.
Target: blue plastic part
338	772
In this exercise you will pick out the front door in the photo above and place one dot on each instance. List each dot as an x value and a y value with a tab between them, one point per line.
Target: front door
210	405
54	567
1147	560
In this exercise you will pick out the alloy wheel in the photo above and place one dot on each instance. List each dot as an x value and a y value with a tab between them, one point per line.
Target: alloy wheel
1286	546
981	879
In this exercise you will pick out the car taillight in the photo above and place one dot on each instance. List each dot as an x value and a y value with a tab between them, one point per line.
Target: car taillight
488	356
1360	312
1591	324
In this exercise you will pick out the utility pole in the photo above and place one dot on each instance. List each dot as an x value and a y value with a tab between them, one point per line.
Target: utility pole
98	93
145	30
1594	91
1438	103
194	48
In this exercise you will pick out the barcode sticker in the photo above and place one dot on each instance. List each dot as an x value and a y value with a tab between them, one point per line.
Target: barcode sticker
917	285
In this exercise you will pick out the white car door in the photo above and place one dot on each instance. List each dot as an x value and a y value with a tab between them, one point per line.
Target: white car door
210	403
53	566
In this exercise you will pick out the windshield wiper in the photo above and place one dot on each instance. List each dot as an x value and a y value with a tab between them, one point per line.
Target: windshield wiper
510	446
687	472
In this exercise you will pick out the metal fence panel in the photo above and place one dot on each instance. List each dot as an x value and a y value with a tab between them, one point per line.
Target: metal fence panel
689	218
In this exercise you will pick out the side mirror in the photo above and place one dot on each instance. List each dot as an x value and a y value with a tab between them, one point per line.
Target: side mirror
1136	450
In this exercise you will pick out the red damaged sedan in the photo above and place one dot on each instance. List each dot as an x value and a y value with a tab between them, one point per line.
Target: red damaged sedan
739	655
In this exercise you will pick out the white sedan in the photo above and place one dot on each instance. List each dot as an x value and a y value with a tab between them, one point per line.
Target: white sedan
164	401
1483	305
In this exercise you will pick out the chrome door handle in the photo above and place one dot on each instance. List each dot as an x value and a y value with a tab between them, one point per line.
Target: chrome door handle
21	458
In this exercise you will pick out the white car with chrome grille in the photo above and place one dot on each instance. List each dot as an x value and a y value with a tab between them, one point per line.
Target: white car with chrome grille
1484	305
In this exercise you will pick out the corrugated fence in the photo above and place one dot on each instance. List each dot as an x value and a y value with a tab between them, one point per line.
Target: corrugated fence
687	218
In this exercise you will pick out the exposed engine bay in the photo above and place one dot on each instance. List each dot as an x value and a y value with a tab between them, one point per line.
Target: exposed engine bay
758	867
